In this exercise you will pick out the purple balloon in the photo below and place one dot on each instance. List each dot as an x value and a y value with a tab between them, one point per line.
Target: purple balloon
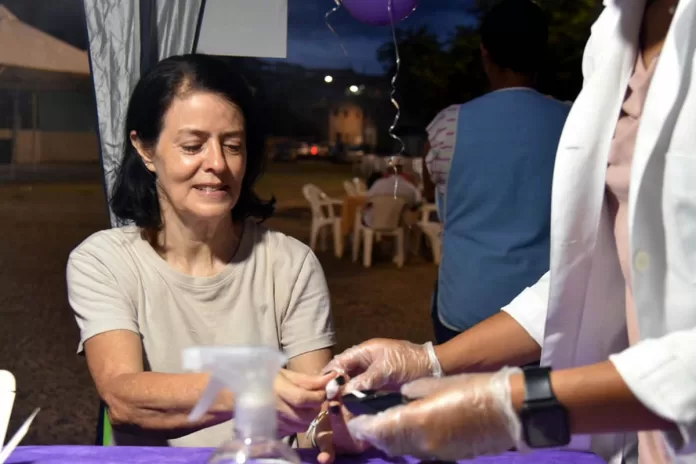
376	12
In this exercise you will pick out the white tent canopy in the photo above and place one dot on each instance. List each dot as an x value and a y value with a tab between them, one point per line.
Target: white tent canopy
30	58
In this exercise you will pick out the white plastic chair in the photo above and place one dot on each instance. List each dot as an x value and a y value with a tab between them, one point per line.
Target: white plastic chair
386	221
323	216
432	230
360	186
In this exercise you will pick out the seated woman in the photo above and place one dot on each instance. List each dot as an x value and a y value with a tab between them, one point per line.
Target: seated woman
194	267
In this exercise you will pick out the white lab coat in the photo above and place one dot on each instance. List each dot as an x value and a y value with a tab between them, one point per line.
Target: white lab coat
577	314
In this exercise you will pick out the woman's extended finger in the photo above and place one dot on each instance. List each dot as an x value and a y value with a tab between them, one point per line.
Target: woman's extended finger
324	438
343	441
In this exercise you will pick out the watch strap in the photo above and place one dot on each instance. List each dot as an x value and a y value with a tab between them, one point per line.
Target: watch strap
538	384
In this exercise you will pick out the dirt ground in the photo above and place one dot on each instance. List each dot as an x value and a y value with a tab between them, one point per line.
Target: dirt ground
40	224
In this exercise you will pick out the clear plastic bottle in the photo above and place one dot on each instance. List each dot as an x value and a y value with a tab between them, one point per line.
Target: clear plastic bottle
254	451
249	371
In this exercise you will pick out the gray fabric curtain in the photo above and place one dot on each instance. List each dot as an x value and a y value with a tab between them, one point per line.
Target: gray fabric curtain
116	55
177	21
114	47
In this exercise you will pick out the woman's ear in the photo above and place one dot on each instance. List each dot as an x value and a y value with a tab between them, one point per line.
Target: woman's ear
144	153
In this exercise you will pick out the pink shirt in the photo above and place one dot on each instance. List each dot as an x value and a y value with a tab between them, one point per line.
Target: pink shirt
651	449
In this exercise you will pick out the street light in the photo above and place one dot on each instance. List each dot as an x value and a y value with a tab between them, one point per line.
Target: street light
354	88
328	79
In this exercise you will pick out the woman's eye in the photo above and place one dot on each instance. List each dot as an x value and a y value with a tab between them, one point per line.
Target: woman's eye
191	148
233	148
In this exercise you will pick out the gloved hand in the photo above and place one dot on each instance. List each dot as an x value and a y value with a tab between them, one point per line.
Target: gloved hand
385	364
457	417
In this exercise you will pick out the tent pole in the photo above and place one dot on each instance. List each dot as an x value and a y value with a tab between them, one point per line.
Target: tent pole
34	130
16	126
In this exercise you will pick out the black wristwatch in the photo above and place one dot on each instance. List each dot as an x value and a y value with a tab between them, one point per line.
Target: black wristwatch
544	419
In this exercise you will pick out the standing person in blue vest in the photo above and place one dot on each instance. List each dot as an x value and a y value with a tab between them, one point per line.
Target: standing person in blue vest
492	163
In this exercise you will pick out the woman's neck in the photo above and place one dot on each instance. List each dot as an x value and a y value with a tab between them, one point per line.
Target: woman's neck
197	248
656	22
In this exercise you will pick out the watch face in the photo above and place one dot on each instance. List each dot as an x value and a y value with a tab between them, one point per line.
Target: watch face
546	427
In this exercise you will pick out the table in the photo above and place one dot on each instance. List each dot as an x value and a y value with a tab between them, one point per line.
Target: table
137	455
351	205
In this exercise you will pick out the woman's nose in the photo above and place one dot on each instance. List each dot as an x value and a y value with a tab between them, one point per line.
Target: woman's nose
215	159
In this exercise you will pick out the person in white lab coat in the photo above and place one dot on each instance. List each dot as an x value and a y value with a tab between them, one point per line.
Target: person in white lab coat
617	256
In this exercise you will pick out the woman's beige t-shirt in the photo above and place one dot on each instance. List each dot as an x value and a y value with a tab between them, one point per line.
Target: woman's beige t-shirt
273	293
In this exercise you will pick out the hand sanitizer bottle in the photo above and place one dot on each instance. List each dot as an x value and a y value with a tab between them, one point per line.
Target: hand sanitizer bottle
250	372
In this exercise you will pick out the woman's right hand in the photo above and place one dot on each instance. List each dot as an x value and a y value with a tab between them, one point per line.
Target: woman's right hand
385	364
299	400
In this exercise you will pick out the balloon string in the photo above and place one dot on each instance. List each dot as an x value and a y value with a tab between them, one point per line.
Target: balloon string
328	24
392	133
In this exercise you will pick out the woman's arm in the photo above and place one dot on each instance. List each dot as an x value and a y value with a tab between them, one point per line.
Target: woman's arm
158	404
598	400
513	337
309	363
494	343
155	402
648	386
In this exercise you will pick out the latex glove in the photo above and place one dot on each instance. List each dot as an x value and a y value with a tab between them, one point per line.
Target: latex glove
458	417
385	364
299	399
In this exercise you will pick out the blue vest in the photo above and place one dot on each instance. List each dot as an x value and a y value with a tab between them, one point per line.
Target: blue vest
498	203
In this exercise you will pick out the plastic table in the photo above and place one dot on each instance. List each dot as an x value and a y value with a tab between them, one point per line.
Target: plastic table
138	455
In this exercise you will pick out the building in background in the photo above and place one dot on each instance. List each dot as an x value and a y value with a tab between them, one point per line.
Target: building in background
47	111
346	124
321	105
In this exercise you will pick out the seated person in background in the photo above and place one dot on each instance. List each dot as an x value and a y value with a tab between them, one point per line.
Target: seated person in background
393	182
193	268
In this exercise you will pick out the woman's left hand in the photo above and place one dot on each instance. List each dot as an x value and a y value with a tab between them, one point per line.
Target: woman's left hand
457	417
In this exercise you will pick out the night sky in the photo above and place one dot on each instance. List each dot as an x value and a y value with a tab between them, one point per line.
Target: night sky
310	42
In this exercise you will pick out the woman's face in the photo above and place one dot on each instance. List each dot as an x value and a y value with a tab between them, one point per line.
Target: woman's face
200	157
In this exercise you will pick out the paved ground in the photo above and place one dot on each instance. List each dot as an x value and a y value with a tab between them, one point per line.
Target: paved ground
41	223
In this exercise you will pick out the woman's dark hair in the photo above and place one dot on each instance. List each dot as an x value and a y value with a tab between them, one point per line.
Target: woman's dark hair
134	196
515	34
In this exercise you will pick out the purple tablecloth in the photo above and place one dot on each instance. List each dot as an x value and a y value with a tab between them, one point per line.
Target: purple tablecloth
133	455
